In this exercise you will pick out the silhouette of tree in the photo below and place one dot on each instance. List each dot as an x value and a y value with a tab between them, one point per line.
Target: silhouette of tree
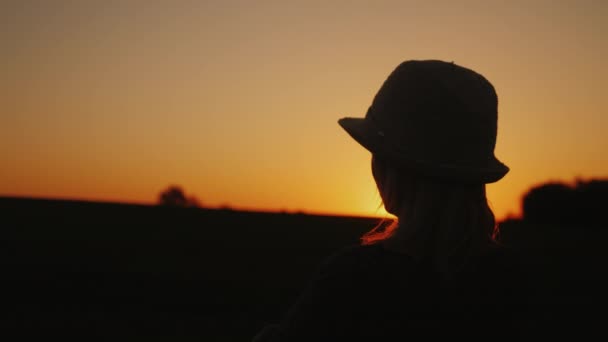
174	196
548	203
592	202
584	204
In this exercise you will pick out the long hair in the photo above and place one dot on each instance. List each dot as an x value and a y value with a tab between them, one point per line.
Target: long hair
446	223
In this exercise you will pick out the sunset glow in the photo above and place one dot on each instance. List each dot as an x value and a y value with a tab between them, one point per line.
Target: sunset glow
238	101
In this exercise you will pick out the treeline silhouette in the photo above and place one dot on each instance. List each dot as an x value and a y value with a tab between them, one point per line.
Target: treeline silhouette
174	196
583	204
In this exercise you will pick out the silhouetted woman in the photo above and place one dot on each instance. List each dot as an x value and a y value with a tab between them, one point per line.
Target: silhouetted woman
437	271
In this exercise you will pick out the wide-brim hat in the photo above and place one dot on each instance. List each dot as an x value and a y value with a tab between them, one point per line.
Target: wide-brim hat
436	119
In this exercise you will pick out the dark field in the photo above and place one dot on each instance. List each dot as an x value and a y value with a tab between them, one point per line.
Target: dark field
126	272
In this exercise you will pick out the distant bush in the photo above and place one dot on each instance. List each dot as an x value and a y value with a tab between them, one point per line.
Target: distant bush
174	196
583	204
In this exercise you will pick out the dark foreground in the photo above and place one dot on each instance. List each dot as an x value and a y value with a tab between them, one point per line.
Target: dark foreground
125	272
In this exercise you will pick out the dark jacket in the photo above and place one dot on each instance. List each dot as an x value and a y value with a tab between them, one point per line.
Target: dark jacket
370	293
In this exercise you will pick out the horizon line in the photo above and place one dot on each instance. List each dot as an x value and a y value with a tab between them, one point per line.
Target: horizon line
226	207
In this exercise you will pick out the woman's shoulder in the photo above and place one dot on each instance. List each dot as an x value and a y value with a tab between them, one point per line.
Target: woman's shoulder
505	268
504	258
347	258
359	263
359	255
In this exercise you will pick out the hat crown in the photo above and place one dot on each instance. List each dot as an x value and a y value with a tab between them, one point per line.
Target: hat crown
437	112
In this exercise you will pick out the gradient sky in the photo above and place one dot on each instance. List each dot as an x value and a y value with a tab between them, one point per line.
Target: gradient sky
238	101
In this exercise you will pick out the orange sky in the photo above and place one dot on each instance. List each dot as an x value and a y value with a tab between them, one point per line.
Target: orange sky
238	101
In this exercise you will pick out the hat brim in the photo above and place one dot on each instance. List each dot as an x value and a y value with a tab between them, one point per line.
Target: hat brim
359	130
374	141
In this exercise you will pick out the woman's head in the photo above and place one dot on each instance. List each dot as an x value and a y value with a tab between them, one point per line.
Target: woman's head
432	129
